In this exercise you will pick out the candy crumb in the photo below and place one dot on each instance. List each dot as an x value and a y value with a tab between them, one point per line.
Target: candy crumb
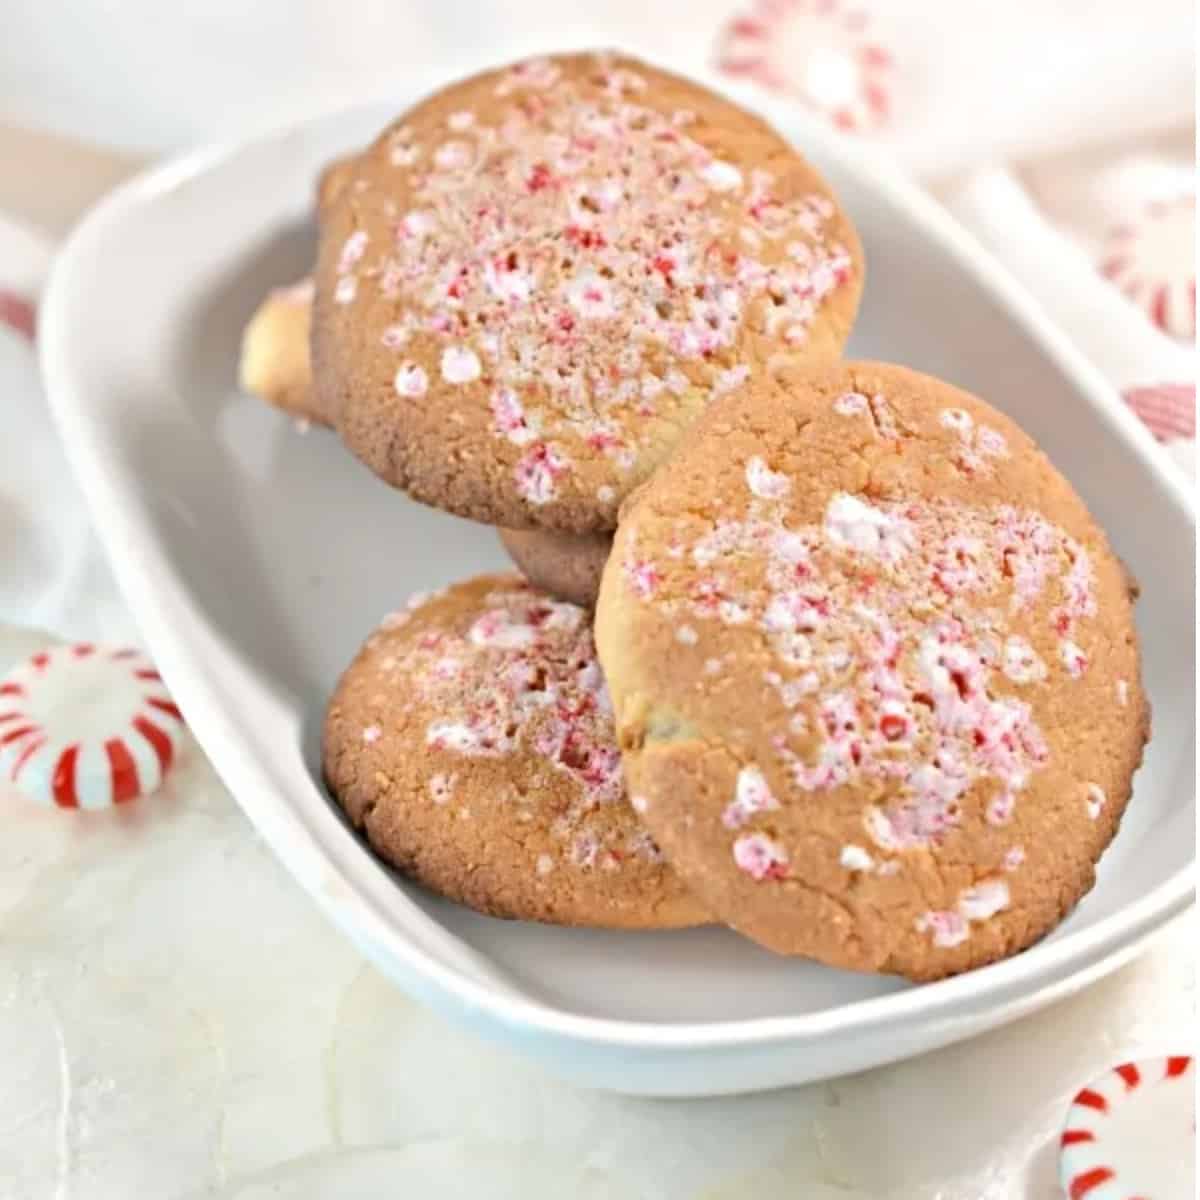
855	858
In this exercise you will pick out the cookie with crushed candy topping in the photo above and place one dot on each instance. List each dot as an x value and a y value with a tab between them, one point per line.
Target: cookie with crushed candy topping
472	742
875	672
539	276
274	367
566	565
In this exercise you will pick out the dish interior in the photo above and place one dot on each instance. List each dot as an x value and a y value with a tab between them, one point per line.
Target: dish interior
279	553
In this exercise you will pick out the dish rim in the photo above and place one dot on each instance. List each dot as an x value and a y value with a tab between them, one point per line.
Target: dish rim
142	567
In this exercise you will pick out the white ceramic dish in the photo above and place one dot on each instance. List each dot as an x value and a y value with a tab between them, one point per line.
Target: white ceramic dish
256	559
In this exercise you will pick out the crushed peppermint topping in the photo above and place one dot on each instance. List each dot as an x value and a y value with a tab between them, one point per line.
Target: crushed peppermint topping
1096	799
951	928
371	734
1123	692
532	73
851	404
948	928
1021	661
752	796
859	526
411	381
977	444
730	380
516	674
721	176
460	365
465	738
762	481
452	156
760	857
1073	659
538	472
984	900
892	628
508	630
855	858
394	336
643	578
1000	809
572	246
353	249
509	419
441	787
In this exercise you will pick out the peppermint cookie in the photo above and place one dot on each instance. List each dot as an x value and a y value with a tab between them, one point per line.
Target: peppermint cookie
332	179
274	364
566	565
875	672
275	368
539	276
472	742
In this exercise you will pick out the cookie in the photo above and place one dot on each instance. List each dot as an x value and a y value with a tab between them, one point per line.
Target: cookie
274	364
331	180
539	276
565	565
875	672
472	742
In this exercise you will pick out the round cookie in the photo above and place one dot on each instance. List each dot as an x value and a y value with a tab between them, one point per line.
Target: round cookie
539	276
566	565
332	179
875	672
274	364
471	740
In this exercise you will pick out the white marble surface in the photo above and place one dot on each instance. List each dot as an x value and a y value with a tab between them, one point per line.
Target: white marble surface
177	1020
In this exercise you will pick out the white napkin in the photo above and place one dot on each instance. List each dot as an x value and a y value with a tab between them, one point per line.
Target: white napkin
55	575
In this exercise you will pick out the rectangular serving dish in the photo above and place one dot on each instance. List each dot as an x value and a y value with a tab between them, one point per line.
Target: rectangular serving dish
256	559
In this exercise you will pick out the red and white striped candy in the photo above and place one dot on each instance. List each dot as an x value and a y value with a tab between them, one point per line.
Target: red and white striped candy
1168	409
1131	1134
1151	260
85	726
820	51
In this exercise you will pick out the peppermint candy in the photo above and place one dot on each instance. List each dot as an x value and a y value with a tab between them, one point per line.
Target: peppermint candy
86	726
822	52
1150	259
1131	1133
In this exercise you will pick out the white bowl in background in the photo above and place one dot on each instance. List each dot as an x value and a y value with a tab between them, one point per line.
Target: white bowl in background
256	560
